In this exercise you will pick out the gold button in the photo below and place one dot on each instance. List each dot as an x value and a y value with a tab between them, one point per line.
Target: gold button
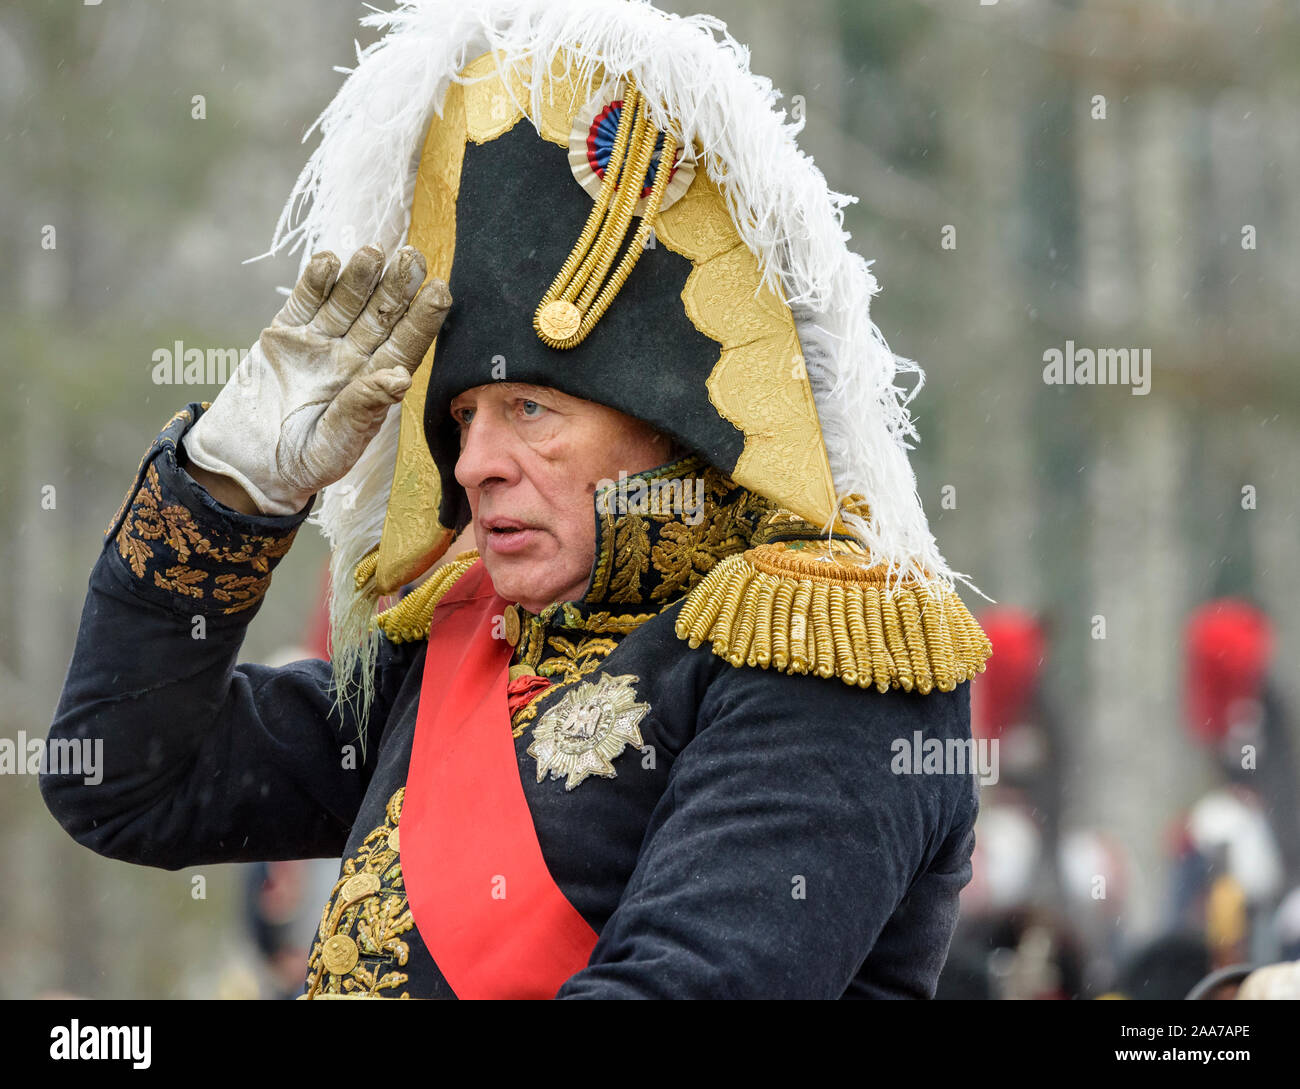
339	954
512	625
359	886
521	670
559	320
393	841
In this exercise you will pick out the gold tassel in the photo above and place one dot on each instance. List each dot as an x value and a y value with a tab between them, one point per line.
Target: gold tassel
801	608
408	620
365	570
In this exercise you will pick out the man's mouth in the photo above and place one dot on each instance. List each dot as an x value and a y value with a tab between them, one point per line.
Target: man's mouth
507	536
506	529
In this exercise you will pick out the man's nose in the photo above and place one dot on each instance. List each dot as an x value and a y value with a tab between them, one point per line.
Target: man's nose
487	452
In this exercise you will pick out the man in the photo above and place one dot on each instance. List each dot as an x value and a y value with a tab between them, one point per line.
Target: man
644	741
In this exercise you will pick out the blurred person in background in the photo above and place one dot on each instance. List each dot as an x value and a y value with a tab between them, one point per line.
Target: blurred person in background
1237	848
1010	705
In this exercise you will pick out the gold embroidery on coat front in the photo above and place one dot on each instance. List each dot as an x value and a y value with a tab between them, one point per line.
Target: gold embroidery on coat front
360	944
574	661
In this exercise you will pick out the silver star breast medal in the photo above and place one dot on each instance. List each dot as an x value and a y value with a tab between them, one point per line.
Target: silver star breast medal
587	729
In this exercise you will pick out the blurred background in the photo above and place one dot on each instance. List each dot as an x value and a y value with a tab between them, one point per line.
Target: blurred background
1111	173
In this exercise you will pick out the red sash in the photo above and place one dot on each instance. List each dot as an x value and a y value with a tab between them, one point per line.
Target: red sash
481	896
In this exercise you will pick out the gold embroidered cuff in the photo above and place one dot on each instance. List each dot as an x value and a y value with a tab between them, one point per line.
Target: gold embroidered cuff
181	548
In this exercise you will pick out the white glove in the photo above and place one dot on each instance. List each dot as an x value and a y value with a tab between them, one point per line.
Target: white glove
316	387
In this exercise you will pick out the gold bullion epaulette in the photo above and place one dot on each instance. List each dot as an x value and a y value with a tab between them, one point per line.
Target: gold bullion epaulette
796	607
408	620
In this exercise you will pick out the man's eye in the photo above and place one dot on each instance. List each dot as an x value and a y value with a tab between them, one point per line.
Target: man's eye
463	416
533	404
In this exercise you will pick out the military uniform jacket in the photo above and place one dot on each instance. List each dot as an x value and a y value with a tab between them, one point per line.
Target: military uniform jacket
757	842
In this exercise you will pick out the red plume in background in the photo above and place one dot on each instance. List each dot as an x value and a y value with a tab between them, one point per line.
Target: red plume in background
1000	695
1229	643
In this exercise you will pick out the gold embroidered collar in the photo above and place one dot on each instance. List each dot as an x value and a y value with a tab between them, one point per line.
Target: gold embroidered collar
658	533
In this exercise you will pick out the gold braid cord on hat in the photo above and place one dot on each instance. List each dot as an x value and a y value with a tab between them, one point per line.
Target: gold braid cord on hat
579	296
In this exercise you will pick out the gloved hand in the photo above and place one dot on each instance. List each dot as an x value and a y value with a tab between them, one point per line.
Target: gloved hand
316	387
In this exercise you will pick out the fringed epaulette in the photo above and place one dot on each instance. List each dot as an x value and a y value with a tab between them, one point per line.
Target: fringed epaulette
798	608
408	620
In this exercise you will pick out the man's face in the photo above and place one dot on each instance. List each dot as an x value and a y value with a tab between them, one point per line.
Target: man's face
530	457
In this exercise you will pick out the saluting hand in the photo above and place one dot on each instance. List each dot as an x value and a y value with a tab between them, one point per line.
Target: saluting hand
317	386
